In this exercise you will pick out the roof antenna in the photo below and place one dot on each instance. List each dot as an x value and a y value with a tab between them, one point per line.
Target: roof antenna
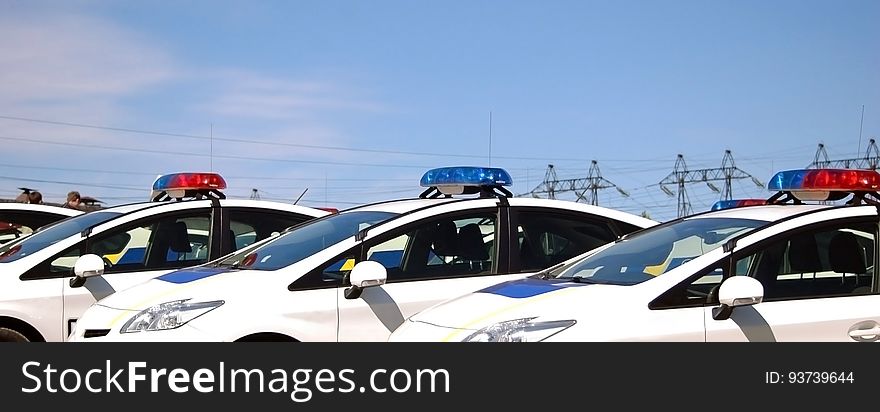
490	139
861	122
300	196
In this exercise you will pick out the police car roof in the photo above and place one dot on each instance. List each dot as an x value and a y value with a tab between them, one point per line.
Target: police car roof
404	206
39	208
408	205
767	213
225	203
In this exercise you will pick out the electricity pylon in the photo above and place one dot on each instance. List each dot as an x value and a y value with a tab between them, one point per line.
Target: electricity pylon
681	176
586	189
870	161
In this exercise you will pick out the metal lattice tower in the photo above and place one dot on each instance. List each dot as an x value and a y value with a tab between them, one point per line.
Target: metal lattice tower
681	176
585	189
870	161
255	194
678	177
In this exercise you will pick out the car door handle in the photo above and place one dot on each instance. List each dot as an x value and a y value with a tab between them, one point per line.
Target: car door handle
861	334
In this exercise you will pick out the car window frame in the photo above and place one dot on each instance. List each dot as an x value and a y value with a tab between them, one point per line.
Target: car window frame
730	259
41	270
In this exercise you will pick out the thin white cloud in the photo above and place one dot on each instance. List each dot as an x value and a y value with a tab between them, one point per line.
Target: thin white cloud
63	58
253	95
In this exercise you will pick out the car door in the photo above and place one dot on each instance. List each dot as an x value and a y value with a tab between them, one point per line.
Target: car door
426	262
134	253
819	282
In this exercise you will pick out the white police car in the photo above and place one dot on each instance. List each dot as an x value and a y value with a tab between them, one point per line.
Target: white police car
776	272
356	275
41	299
18	220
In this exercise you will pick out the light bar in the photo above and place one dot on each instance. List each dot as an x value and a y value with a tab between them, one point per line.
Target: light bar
833	180
730	204
189	181
466	176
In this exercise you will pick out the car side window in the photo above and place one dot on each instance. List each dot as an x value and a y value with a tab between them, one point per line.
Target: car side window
248	226
167	242
461	245
835	261
547	239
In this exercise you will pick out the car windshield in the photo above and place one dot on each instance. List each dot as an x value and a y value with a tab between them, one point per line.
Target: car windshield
304	240
52	234
655	251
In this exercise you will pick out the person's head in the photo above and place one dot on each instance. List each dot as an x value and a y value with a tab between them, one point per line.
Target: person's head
35	198
73	198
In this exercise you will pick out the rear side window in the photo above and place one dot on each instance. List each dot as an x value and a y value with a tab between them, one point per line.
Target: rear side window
547	239
248	226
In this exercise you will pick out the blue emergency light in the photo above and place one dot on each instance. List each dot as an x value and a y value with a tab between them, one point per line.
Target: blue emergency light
730	204
466	176
466	179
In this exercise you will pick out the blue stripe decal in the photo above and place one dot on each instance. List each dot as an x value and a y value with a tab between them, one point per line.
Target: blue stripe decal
190	275
526	288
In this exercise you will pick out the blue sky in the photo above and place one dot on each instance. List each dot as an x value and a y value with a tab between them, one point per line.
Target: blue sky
387	89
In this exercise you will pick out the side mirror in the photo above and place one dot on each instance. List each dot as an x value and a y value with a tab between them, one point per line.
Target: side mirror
86	266
737	291
363	275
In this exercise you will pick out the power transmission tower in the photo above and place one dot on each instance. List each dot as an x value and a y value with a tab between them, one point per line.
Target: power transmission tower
255	194
548	186
681	176
585	189
678	177
820	160
870	161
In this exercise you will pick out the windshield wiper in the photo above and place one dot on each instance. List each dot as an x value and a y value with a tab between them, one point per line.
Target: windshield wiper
581	279
545	274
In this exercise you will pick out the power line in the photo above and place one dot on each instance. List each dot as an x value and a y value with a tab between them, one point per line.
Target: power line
212	138
25	179
165	152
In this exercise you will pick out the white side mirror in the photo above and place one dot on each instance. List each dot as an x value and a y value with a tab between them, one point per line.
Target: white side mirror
86	266
368	273
363	275
737	291
740	291
89	265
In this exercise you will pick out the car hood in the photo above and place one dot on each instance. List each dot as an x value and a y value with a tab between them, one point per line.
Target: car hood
200	283
525	298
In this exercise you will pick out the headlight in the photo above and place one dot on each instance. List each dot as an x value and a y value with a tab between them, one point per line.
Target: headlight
519	330
168	315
